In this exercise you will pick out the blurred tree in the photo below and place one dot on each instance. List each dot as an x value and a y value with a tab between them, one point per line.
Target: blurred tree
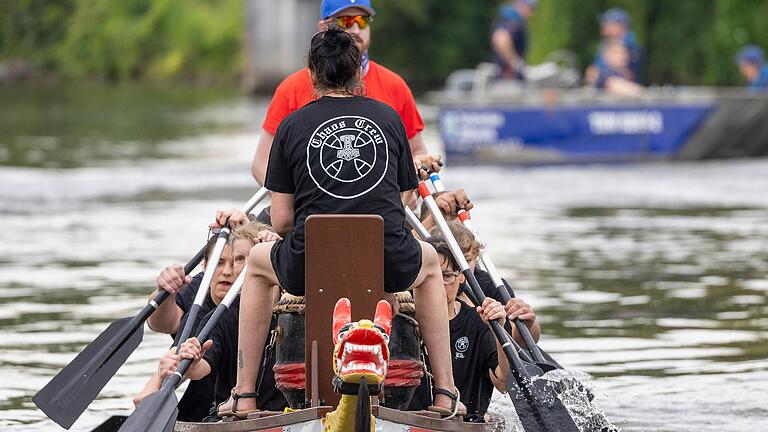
691	42
122	40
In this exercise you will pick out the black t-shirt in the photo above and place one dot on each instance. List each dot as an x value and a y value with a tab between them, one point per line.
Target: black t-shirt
345	155
186	296
473	354
222	358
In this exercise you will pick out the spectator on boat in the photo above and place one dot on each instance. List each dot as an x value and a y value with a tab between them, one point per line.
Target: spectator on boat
478	361
201	395
752	67
611	77
378	83
360	180
509	37
616	26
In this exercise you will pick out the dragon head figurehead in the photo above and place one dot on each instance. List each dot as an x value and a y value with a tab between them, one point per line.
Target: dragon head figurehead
361	348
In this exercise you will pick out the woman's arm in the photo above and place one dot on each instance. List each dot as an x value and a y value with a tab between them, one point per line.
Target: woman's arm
191	349
493	310
168	314
282	213
518	308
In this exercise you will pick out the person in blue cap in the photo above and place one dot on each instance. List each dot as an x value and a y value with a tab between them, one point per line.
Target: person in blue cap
616	26
751	61
379	83
509	37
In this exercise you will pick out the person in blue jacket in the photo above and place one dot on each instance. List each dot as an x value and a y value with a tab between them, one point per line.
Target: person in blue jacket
509	37
751	61
616	26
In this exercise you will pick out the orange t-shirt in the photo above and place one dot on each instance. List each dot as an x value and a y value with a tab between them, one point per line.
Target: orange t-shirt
380	84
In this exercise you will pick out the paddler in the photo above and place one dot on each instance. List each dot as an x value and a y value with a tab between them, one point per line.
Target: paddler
201	395
478	362
379	83
450	202
340	154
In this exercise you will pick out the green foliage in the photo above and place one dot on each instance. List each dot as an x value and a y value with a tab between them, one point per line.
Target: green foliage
123	40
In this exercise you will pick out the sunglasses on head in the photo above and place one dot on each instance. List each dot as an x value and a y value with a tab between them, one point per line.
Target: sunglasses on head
346	22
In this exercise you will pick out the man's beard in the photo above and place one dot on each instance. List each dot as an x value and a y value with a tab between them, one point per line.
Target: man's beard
362	46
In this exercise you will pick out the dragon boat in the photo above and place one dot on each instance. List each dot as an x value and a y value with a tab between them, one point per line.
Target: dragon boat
341	371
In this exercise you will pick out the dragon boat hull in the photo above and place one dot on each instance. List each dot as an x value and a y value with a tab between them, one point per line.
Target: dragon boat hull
311	420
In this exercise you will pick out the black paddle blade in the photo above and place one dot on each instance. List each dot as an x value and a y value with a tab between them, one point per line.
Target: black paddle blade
155	413
112	424
70	392
537	404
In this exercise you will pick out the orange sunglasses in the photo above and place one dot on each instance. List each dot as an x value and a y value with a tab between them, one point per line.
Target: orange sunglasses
346	22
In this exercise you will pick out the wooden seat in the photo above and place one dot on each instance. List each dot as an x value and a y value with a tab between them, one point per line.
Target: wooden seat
344	258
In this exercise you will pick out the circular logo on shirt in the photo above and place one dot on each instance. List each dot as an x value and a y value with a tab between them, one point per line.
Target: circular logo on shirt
462	344
347	156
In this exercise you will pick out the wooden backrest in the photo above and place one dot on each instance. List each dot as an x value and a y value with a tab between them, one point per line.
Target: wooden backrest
344	258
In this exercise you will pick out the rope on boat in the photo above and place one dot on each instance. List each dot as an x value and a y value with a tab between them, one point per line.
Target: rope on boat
289	376
404	373
289	304
405	300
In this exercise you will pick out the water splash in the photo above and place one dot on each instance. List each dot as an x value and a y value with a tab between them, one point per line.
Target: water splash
575	389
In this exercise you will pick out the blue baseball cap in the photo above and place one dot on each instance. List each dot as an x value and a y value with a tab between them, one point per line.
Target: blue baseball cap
751	54
329	8
615	15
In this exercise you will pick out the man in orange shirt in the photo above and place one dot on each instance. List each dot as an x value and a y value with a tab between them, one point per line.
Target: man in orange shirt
380	83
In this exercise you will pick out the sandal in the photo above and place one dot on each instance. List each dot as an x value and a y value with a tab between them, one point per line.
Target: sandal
457	408
233	412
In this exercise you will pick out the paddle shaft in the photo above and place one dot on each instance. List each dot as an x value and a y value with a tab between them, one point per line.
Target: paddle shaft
543	411
416	224
72	389
210	269
505	341
504	292
159	408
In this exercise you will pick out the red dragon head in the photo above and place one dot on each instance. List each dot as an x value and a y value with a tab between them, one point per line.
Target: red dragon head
361	348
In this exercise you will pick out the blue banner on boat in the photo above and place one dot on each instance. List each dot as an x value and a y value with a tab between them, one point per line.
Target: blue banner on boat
568	134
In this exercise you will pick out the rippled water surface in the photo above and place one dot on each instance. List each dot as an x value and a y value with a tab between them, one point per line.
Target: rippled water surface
651	278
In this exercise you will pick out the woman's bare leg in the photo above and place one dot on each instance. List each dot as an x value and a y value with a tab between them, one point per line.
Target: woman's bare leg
256	302
428	293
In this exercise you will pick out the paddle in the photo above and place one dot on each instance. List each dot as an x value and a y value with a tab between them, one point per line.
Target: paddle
506	295
70	392
504	292
111	424
414	222
158	411
539	408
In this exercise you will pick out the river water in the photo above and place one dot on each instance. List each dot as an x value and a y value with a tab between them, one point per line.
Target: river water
651	278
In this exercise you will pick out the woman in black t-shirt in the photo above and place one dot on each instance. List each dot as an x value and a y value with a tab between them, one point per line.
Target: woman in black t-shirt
207	388
479	363
342	153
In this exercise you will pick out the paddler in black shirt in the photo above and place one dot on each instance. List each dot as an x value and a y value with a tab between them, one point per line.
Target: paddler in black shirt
202	394
342	153
479	363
